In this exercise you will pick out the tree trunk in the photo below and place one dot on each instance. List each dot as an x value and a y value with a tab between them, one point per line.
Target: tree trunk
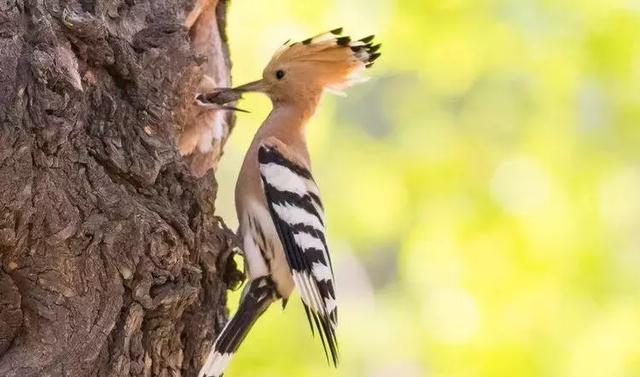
113	262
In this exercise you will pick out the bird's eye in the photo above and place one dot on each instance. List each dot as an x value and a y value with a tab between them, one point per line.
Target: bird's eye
279	74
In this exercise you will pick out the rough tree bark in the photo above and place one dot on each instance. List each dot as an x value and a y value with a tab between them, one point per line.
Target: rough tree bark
113	262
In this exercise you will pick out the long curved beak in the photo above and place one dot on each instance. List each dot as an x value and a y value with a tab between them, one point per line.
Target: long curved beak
254	86
219	98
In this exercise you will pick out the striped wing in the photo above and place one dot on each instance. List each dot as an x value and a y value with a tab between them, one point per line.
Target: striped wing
297	213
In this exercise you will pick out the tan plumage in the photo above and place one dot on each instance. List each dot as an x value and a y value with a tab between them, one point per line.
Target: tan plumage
277	201
285	130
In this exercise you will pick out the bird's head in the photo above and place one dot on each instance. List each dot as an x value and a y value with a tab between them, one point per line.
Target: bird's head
301	71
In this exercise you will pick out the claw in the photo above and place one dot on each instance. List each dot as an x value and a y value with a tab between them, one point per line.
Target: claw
235	277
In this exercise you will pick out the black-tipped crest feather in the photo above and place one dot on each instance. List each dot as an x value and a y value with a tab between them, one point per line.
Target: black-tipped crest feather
367	39
343	41
363	49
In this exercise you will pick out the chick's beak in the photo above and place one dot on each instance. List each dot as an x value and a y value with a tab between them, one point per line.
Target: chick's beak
220	97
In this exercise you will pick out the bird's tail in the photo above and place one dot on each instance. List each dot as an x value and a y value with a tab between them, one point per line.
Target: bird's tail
256	298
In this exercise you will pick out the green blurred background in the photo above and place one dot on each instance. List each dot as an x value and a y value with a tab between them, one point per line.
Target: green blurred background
482	189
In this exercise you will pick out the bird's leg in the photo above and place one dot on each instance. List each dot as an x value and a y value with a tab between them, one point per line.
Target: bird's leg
234	278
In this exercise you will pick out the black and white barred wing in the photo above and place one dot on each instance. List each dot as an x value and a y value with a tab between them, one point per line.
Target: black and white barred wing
297	213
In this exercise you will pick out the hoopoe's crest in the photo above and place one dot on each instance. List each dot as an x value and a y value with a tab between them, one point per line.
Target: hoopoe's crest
327	61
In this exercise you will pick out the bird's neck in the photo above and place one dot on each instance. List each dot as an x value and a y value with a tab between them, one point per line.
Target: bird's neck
287	120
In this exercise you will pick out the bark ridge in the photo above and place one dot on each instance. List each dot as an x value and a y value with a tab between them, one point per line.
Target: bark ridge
113	261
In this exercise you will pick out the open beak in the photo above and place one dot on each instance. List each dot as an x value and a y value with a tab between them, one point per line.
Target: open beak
219	98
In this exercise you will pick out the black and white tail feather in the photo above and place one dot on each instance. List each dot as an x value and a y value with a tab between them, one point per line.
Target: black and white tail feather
256	298
297	212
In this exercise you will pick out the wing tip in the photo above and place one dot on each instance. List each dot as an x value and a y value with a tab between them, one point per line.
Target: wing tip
327	331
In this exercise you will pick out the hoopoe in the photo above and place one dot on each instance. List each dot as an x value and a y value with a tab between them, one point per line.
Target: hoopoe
282	224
